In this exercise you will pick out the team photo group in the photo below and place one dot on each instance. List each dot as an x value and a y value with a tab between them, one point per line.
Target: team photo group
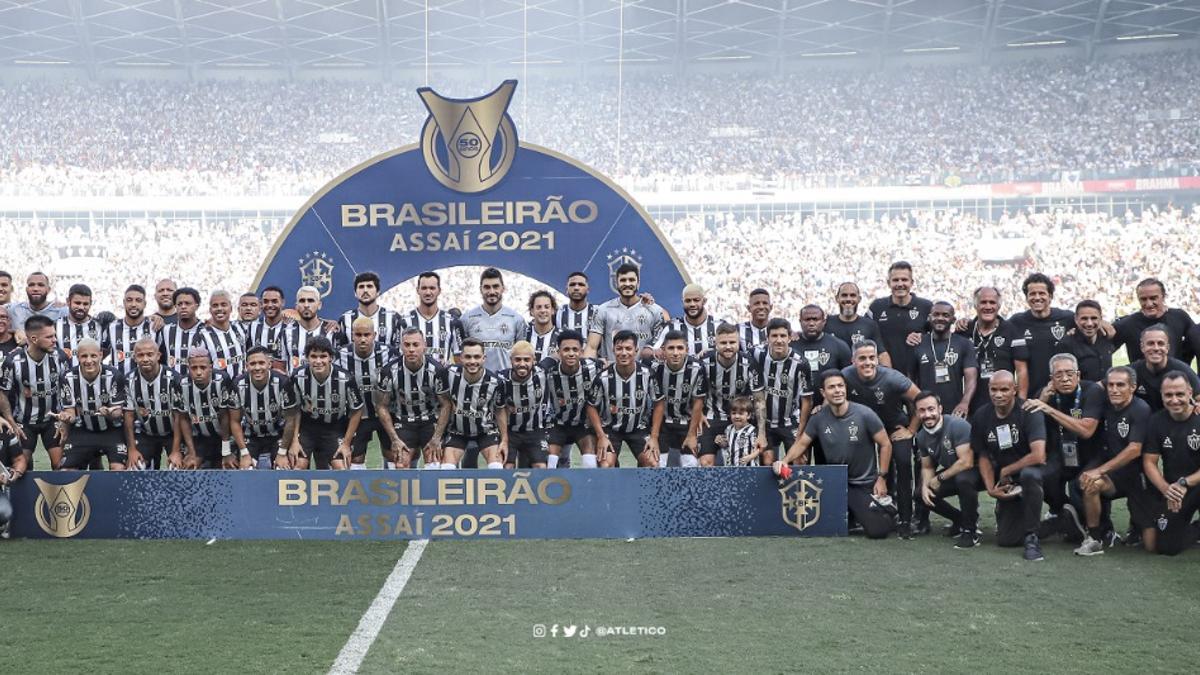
926	409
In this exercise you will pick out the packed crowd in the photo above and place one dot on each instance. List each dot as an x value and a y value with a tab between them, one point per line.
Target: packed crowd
909	124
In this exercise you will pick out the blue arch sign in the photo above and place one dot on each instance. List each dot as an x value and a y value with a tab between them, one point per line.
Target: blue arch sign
470	193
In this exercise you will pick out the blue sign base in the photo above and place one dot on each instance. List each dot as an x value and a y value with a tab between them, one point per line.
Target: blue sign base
527	504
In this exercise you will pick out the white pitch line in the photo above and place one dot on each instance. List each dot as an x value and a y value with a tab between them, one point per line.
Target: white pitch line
356	648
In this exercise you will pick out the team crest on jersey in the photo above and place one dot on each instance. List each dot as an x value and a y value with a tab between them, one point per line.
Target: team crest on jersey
1194	440
856	337
801	503
824	357
316	270
617	258
878	395
946	445
999	341
469	144
852	429
1123	428
639	396
913	314
1058	331
951	357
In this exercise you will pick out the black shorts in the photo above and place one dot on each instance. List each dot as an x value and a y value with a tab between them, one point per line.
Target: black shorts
152	449
1142	500
636	440
526	448
670	437
784	436
208	449
84	446
263	449
416	435
461	441
563	435
44	431
362	438
708	440
320	442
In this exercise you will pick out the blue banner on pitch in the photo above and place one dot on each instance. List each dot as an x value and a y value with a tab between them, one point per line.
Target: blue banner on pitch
537	504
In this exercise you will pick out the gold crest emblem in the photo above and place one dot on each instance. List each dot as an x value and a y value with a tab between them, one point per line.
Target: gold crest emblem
62	510
469	144
801	503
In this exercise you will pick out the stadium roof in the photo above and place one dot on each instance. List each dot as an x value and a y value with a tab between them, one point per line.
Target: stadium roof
404	33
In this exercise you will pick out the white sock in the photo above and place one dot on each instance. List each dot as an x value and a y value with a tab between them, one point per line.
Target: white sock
588	461
389	465
358	467
433	465
446	466
551	461
662	460
495	465
688	461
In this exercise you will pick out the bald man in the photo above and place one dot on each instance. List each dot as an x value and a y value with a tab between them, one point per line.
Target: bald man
526	394
699	328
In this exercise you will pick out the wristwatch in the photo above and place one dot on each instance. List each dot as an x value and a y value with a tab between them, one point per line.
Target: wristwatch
1183	482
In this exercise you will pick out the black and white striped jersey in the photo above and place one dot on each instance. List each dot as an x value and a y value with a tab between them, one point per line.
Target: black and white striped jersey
725	383
119	340
87	397
679	388
572	319
701	338
443	334
751	337
624	403
295	339
388	325
33	384
475	403
545	345
738	444
227	348
366	372
526	400
154	402
205	405
569	391
330	401
175	341
787	381
412	394
263	409
70	334
261	333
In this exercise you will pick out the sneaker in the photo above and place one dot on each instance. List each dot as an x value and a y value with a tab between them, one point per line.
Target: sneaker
951	530
1072	526
921	527
1111	539
1133	538
904	530
1090	547
1049	526
1033	549
967	540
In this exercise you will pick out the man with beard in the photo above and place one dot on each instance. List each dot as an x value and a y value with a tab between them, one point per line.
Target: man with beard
731	374
619	405
851	434
679	391
525	394
442	332
387	323
1042	329
1116	470
153	397
472	410
37	290
948	468
164	298
1009	442
268	329
1152	298
1156	363
266	412
570	378
365	358
821	350
628	312
902	318
406	401
578	312
851	328
1092	349
787	384
222	337
542	332
753	333
946	362
1171	460
890	395
497	327
698	327
307	327
177	338
78	324
998	344
331	408
92	396
122	335
30	377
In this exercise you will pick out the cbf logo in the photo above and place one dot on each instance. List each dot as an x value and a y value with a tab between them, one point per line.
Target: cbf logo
469	144
618	258
316	270
62	510
801	502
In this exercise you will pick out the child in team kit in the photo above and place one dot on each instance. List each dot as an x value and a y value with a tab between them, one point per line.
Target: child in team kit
739	442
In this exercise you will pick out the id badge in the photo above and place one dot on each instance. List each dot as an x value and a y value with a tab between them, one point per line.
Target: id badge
814	359
1004	437
941	373
1070	451
985	369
